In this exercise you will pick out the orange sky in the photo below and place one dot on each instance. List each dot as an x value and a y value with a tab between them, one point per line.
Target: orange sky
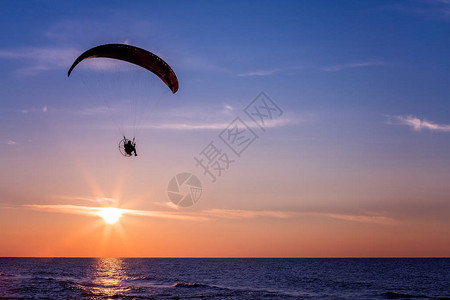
219	234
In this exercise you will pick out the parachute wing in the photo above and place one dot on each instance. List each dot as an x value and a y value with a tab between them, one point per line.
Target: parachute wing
134	55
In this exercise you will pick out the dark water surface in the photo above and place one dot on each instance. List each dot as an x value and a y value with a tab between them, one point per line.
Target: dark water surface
223	278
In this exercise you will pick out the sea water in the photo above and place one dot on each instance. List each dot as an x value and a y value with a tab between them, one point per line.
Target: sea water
224	278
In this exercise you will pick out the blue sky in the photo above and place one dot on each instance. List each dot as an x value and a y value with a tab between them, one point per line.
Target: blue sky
363	85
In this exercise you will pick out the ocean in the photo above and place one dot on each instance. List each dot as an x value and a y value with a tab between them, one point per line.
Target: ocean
224	278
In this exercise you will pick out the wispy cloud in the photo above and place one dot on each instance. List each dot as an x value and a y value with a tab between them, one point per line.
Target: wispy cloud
187	126
41	59
227	108
258	73
217	125
35	60
35	110
366	64
245	214
362	218
214	118
11	142
98	200
269	72
89	111
417	123
175	213
178	215
95	211
331	68
435	9
197	63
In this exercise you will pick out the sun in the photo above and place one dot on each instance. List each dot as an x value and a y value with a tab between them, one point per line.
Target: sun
110	214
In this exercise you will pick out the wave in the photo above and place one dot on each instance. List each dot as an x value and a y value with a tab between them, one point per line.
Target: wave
242	292
396	295
144	278
188	285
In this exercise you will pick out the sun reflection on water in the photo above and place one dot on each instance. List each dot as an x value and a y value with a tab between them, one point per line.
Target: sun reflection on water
108	276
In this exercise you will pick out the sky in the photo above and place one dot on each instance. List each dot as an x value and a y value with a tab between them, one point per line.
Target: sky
352	158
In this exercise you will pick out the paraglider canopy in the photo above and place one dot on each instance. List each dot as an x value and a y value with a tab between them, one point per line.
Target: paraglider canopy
134	55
